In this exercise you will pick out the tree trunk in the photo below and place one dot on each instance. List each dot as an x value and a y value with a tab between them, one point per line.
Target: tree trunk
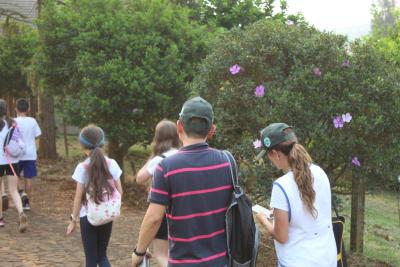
357	213
117	152
47	143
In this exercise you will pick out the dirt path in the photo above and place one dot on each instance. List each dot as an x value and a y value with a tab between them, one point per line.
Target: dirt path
45	244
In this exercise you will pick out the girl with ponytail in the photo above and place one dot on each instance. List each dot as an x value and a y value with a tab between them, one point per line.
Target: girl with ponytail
301	202
93	181
8	169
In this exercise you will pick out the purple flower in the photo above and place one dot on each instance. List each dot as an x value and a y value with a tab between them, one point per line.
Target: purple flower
338	122
356	162
235	69
347	117
346	63
260	91
257	143
317	72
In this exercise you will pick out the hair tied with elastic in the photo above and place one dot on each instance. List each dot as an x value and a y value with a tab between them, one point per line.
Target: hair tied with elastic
85	142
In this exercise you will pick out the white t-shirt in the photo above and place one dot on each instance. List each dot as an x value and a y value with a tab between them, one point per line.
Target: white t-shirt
151	167
3	134
80	176
311	240
29	130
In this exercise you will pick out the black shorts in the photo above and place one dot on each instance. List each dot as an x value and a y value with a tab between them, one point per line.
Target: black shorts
6	170
163	231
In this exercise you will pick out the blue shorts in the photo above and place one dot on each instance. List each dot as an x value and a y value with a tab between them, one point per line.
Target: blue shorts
28	167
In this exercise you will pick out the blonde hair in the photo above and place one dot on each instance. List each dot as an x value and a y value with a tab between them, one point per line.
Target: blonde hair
299	162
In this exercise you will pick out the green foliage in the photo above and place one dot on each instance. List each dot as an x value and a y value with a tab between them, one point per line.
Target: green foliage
228	14
282	58
386	30
18	43
123	64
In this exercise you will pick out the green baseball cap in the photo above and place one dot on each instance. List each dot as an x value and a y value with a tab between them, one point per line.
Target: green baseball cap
196	107
273	135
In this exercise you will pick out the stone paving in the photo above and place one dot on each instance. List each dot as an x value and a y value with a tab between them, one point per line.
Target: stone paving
45	242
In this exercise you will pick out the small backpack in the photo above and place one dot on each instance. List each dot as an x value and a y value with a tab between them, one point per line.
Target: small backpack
241	230
107	210
13	145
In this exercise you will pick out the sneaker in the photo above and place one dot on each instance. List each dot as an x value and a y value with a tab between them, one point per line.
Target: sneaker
25	204
5	202
23	222
2	222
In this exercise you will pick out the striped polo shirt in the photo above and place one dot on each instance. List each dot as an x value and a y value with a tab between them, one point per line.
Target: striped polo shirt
195	185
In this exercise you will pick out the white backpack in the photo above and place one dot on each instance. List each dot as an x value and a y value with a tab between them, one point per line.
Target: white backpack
13	145
107	210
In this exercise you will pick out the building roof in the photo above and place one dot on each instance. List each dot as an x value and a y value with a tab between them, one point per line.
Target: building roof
22	10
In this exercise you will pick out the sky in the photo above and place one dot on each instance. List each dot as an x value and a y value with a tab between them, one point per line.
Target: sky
352	17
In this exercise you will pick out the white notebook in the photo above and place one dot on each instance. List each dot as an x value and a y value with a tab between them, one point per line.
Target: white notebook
260	209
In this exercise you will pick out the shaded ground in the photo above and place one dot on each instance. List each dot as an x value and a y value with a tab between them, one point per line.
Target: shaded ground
45	244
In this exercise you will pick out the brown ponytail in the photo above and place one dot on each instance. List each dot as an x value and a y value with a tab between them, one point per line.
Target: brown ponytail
299	161
92	138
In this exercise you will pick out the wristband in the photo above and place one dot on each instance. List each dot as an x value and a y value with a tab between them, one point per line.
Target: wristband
73	219
139	254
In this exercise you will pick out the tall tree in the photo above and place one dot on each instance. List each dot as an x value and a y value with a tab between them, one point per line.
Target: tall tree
123	65
47	143
18	44
384	16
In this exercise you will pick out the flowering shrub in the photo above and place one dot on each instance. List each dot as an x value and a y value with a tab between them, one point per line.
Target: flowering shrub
304	78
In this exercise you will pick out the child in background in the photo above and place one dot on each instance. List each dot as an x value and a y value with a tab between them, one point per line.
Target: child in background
165	144
92	177
29	130
8	166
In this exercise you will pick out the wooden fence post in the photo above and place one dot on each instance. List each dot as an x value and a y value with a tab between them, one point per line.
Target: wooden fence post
357	213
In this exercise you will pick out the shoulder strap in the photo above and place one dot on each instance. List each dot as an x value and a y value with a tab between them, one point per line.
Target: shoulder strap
287	199
233	168
9	135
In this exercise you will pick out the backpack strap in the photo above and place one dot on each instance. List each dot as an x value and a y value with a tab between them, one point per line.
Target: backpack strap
287	199
9	136
233	169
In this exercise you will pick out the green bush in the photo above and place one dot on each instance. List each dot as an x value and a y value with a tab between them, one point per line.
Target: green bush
310	77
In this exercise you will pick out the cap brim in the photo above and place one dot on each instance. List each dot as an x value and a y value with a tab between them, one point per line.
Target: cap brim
261	154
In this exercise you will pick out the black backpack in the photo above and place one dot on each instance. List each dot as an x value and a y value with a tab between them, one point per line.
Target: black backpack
241	231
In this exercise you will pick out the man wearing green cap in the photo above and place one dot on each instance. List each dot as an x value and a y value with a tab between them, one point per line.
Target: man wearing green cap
194	188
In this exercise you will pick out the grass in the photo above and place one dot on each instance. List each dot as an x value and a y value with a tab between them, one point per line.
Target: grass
382	228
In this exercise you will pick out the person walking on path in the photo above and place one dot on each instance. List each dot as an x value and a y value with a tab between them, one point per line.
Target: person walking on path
301	202
165	144
30	130
8	168
194	187
92	182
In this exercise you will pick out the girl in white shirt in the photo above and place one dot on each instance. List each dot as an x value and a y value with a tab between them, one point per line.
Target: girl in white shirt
92	177
165	144
8	169
301	202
